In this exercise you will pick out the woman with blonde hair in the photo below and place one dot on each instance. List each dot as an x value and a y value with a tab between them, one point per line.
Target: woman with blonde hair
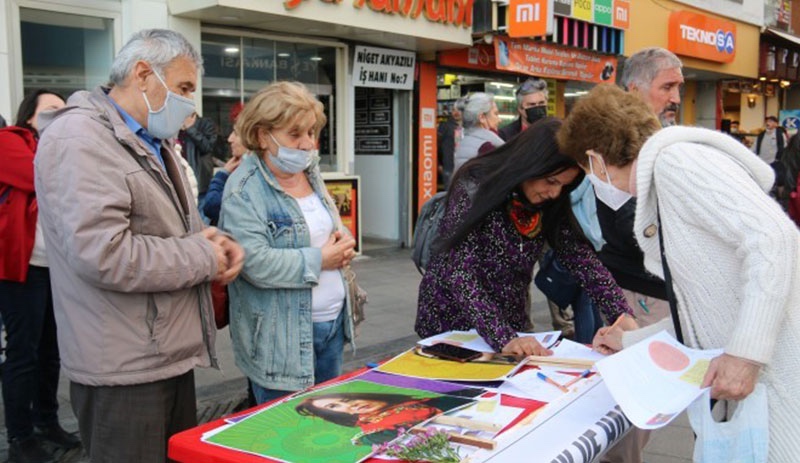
732	253
289	311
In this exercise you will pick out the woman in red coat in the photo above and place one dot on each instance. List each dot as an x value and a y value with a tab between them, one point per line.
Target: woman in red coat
32	366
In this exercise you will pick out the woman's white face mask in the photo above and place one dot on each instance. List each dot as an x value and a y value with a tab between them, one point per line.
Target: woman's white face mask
605	191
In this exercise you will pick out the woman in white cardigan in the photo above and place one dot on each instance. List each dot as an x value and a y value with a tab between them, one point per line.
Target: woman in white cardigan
733	254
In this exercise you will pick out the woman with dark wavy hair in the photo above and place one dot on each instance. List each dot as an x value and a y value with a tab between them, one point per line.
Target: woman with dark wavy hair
502	209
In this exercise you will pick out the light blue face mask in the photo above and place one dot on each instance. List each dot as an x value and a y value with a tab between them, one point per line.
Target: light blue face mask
167	121
292	160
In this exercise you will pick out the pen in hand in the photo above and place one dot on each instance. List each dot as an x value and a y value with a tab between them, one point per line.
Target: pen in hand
550	381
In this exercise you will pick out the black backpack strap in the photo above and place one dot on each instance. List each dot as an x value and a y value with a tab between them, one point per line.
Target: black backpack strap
673	302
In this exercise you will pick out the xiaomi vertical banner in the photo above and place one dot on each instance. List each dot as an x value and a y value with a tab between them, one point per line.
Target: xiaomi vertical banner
426	154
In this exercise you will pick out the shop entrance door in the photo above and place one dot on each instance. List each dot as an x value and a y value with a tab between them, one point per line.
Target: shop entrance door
382	160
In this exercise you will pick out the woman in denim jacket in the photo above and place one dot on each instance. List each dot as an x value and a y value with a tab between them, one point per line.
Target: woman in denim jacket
289	309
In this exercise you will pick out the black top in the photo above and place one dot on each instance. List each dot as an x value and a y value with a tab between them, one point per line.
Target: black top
510	130
621	254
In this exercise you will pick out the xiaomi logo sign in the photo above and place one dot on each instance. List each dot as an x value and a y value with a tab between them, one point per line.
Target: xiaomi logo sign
529	18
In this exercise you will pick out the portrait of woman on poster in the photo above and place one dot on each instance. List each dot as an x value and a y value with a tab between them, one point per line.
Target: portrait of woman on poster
378	416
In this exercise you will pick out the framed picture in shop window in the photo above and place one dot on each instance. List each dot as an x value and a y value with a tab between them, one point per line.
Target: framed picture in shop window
345	191
769	89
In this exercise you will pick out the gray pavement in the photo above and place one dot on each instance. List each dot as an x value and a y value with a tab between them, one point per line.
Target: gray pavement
390	278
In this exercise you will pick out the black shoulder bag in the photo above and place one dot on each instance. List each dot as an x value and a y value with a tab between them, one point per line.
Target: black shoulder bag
673	302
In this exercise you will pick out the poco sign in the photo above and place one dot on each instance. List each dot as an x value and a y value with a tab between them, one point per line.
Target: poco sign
700	36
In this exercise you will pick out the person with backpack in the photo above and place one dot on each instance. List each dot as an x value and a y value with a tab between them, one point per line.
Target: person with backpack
502	208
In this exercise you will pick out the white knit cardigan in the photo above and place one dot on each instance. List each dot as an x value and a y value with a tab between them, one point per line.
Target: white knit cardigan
734	256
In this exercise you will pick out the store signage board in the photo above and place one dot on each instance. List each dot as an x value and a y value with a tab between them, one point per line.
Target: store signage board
604	12
552	61
455	12
529	18
383	68
612	13
622	14
701	36
426	130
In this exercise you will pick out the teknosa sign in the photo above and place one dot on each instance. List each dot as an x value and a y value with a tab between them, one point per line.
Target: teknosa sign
700	36
529	18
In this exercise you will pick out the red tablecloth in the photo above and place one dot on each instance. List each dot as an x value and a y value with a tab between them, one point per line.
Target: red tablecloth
188	447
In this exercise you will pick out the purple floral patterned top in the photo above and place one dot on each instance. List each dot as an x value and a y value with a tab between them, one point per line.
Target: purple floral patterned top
482	283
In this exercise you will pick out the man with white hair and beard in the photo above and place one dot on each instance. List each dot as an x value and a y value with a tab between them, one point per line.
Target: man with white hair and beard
654	75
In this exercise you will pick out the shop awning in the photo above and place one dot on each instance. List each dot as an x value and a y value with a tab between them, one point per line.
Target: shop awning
783	35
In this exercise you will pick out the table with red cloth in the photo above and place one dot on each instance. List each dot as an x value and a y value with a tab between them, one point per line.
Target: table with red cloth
580	432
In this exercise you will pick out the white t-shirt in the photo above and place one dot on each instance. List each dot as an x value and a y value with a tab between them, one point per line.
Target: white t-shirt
327	298
39	254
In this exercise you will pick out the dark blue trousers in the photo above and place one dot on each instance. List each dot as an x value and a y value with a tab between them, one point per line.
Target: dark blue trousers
32	366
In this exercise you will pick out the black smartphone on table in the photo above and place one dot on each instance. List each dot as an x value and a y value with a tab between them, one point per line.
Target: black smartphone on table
451	352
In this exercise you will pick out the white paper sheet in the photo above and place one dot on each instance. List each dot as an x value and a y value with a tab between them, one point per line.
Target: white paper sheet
655	379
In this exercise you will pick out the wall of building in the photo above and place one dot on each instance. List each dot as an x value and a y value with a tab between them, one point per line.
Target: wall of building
129	16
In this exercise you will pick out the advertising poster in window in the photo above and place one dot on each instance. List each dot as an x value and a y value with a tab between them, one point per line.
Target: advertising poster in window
345	194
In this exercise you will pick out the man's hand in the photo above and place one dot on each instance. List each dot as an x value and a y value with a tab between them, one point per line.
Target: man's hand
212	234
731	378
525	345
235	258
338	251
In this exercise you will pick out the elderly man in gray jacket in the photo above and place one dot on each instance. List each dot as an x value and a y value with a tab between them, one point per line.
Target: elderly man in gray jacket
130	261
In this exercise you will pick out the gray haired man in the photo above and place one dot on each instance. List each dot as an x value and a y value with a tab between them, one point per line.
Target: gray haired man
531	106
654	74
131	263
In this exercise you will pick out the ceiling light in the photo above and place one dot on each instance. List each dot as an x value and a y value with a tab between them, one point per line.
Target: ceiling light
316	58
232	50
284	55
502	84
762	78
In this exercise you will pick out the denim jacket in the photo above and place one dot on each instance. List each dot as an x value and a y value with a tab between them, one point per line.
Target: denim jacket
270	302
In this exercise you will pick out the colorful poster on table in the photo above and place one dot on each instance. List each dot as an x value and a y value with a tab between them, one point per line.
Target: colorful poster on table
411	363
340	423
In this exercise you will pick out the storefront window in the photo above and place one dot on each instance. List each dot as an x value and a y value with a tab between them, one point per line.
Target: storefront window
237	67
64	52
